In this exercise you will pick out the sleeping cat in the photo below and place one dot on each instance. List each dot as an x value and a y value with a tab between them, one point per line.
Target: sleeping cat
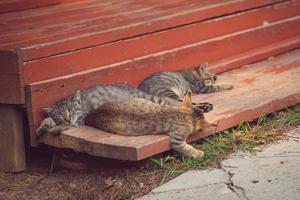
142	117
175	84
71	111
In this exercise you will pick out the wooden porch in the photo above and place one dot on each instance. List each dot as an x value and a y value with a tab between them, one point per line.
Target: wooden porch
50	50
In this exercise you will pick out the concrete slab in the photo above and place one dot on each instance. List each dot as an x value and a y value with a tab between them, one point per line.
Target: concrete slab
208	192
187	180
273	174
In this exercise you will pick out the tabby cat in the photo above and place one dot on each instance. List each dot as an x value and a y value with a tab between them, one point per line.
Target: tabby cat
71	111
142	117
175	84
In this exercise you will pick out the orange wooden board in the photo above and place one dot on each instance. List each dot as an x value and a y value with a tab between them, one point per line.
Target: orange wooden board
264	26
259	89
13	5
10	78
155	44
83	24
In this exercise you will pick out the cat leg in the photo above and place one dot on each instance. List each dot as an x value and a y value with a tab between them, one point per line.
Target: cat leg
210	88
217	88
60	128
207	125
222	87
46	124
178	143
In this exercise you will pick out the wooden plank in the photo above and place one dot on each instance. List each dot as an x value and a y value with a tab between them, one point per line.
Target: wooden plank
86	59
273	84
13	5
11	90
255	55
12	158
81	140
155	17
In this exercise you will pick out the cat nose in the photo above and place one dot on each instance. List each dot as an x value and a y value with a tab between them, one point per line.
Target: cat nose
67	118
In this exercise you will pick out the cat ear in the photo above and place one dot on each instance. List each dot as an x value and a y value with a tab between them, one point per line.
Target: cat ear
187	100
77	96
202	67
47	110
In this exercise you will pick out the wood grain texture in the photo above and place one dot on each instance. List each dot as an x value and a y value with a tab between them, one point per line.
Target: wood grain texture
17	5
149	38
12	150
91	23
204	36
260	88
11	86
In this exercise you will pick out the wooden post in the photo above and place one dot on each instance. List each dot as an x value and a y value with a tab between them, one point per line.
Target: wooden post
12	150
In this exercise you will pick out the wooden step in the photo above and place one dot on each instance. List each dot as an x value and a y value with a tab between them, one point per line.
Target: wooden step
130	72
37	47
259	88
206	40
91	23
13	5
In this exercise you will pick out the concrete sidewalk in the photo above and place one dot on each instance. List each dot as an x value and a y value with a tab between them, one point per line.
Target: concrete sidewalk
273	174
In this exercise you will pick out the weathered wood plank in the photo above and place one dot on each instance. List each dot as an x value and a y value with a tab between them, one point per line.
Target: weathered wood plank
11	90
260	88
13	5
12	83
12	151
255	24
87	139
150	16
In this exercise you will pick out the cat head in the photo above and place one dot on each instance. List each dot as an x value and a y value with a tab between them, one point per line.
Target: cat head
202	74
67	111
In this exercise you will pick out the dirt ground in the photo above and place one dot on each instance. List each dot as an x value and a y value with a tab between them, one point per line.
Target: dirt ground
79	177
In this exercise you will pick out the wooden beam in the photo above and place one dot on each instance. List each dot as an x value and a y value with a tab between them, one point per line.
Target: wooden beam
11	85
12	151
13	5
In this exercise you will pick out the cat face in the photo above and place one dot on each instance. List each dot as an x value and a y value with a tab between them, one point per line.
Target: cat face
67	111
202	73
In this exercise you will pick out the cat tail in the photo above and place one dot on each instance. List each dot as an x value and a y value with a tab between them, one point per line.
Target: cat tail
204	107
196	107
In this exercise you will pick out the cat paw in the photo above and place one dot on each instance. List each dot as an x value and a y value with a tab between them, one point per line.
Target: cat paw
204	107
227	87
197	154
40	132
